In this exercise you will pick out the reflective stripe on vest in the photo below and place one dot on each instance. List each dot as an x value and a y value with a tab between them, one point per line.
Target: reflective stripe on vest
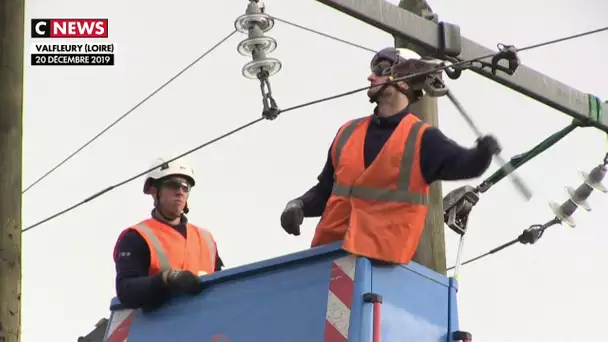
402	193
162	255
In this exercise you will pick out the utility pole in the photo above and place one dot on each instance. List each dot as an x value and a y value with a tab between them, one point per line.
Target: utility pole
431	248
11	133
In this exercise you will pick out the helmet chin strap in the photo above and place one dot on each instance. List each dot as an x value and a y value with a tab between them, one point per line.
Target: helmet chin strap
376	95
407	92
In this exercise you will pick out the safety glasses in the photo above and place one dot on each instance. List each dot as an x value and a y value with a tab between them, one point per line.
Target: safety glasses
382	68
176	185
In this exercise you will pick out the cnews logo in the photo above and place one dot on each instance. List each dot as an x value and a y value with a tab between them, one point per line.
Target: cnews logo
69	28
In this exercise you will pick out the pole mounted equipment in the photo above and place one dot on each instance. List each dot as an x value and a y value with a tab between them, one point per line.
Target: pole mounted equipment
255	23
434	86
506	53
456	206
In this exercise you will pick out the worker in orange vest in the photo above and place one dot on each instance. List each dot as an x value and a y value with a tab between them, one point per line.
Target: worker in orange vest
164	254
373	191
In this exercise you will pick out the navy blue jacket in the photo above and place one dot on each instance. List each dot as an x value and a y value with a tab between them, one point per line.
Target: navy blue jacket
134	287
440	159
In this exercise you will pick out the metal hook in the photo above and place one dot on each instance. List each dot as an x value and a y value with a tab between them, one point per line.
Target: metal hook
508	53
452	71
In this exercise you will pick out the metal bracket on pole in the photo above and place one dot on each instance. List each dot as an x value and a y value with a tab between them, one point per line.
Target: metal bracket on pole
442	39
457	205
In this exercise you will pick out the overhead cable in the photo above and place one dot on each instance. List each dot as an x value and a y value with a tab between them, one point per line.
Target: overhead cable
528	236
323	34
128	180
520	159
563	213
550	42
325	99
107	128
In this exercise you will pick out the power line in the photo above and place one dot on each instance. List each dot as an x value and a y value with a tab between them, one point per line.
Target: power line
563	213
127	113
324	34
306	104
578	35
112	187
528	236
443	67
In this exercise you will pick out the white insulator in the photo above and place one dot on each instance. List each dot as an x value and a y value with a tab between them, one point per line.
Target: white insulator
561	215
264	43
253	68
581	202
593	183
247	21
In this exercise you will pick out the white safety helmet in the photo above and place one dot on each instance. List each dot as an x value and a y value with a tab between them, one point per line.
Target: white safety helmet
179	167
408	54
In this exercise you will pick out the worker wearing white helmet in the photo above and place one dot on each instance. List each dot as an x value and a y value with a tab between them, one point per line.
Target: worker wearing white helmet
178	174
165	253
373	191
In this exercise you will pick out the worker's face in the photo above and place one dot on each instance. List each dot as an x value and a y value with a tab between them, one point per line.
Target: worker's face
379	75
173	195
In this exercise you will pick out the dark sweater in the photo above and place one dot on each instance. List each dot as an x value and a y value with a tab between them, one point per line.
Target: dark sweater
440	159
134	287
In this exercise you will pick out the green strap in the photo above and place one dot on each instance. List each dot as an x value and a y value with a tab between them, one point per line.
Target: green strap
596	109
521	159
597	113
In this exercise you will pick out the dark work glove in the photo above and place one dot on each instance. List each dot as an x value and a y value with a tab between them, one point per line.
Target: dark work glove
489	145
292	217
182	281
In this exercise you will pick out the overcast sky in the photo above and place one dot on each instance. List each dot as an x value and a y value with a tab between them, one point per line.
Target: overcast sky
552	291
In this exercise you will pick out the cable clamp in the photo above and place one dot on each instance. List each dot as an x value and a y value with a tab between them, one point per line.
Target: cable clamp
457	206
508	53
433	83
531	235
505	52
454	72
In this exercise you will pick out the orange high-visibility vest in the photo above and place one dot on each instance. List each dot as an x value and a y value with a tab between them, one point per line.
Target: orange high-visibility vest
380	211
170	250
